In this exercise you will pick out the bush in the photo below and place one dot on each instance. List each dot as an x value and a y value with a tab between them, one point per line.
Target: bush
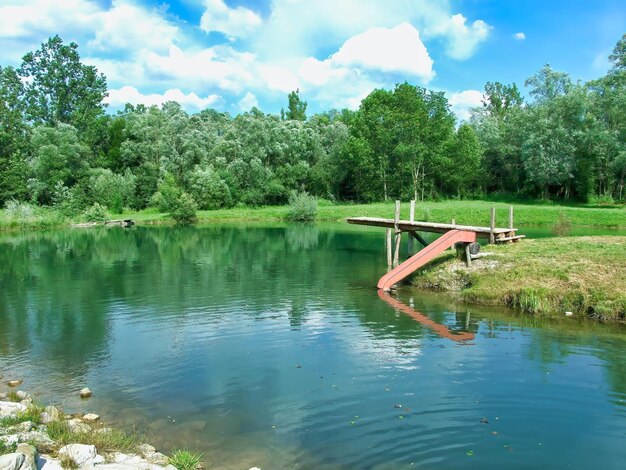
166	199
209	190
96	213
302	207
113	190
562	227
19	210
184	210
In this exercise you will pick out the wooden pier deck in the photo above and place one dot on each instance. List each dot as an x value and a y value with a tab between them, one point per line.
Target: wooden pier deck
408	226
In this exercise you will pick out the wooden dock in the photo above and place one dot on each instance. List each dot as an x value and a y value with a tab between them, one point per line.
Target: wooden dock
461	237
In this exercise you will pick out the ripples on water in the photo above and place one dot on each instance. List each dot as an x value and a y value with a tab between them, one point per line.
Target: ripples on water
269	346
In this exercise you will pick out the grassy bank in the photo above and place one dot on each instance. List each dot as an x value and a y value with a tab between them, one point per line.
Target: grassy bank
465	212
583	275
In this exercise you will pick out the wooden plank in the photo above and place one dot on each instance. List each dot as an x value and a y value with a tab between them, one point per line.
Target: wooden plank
432	227
510	216
506	239
418	237
388	244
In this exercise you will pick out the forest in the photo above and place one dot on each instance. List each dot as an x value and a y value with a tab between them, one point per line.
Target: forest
59	147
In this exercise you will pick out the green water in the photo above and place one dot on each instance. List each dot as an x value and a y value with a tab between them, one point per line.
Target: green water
269	346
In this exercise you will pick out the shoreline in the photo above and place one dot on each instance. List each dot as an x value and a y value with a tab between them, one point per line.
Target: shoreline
33	437
551	277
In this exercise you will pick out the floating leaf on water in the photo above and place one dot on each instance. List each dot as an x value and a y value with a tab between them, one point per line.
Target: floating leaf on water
495	433
401	417
469	453
397	406
352	422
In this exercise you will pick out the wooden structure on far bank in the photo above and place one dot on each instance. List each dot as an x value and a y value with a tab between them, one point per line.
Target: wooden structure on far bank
461	237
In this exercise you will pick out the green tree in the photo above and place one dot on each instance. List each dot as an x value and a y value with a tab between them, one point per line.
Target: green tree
499	98
61	89
14	137
296	109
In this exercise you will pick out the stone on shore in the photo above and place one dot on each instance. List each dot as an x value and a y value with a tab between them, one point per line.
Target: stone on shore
30	456
11	409
85	393
76	425
15	383
11	461
91	418
20	394
49	414
81	454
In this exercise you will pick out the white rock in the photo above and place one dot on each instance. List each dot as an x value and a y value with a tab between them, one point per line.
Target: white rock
76	425
9	408
85	393
45	462
11	461
30	454
157	458
22	395
25	426
91	417
10	440
50	413
146	449
80	453
15	383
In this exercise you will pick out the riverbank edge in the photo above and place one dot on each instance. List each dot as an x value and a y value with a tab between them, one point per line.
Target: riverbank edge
49	439
475	212
554	277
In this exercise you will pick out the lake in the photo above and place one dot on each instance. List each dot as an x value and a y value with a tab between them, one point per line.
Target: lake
268	345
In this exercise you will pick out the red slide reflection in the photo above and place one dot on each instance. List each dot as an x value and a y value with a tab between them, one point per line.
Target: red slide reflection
441	330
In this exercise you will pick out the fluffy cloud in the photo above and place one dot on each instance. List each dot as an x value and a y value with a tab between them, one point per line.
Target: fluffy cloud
128	94
248	102
126	26
519	36
398	49
233	22
462	39
461	103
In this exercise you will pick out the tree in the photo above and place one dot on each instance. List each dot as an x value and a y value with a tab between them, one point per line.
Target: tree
500	98
59	88
14	137
296	109
547	84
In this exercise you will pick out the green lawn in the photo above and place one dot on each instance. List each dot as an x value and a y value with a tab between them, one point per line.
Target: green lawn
583	275
465	212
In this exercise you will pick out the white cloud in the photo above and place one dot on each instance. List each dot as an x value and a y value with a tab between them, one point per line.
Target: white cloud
461	103
398	49
128	94
233	22
519	36
248	102
462	39
126	26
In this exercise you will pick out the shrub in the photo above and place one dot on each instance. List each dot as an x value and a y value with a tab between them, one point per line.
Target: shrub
111	189
95	213
562	227
166	198
184	210
185	460
302	207
19	210
209	190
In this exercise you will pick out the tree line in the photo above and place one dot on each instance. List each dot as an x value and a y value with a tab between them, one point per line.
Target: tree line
59	147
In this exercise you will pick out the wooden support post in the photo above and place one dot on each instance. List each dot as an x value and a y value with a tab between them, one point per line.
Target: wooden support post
453	247
389	248
511	217
468	255
398	233
492	226
411	219
419	238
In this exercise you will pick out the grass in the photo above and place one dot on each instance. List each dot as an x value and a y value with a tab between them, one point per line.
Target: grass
185	460
37	218
7	448
547	277
32	414
465	212
110	441
68	462
12	396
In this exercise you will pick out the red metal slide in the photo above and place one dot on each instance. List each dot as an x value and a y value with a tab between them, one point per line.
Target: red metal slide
418	260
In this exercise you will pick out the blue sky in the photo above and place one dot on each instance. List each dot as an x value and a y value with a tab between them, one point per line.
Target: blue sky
234	54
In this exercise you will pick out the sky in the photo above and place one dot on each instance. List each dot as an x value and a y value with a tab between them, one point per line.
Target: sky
232	55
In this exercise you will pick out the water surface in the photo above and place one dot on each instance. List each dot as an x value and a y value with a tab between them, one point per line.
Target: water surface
269	346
